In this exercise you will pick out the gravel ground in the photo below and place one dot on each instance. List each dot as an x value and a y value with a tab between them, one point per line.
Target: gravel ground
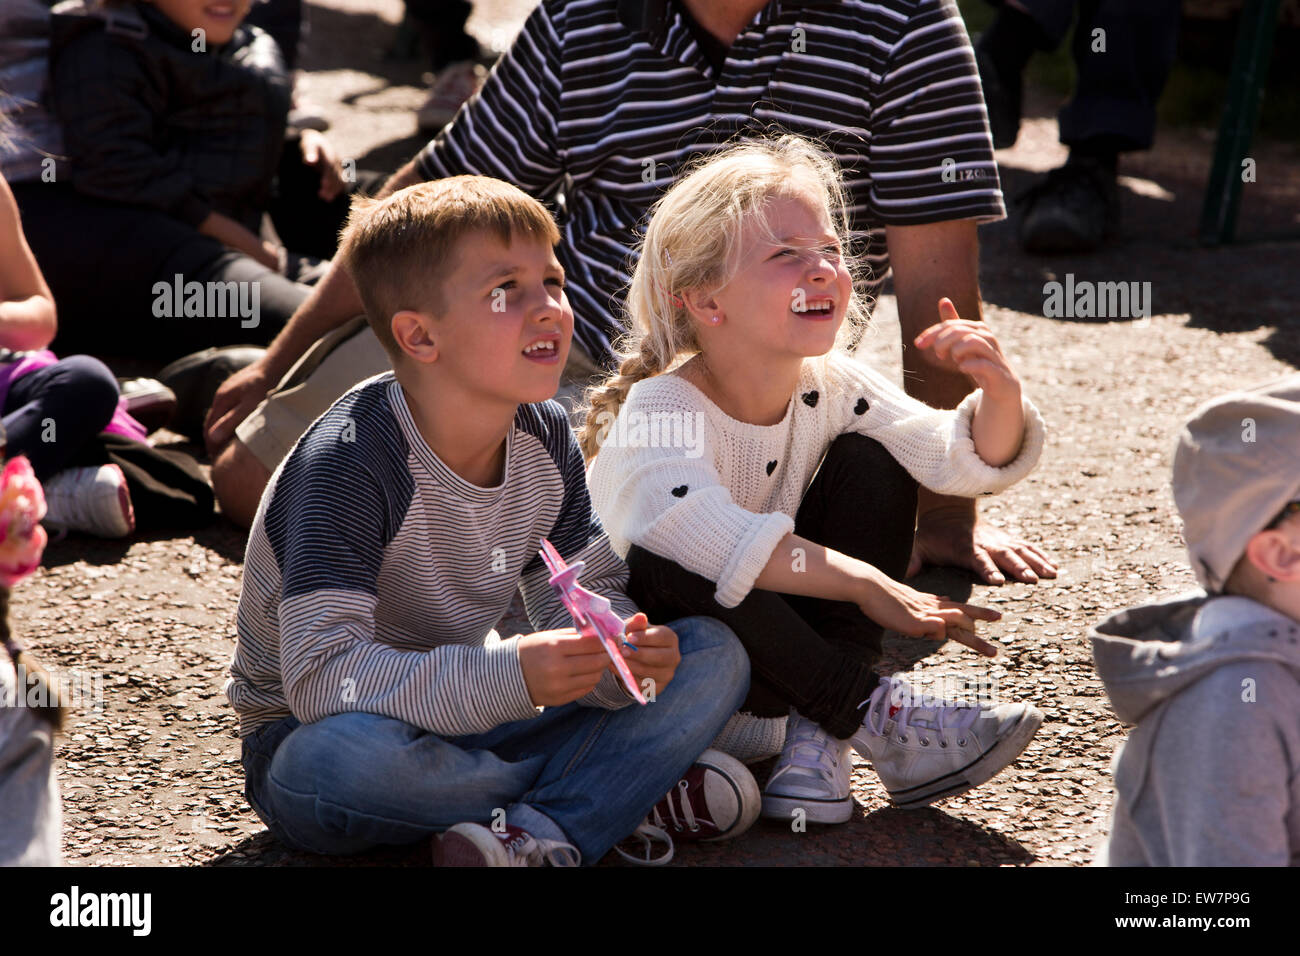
152	776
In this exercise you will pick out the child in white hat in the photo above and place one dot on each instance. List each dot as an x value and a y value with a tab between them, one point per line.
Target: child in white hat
1211	774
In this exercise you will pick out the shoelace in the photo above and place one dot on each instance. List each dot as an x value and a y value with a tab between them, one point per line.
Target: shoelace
809	739
687	821
647	833
878	712
527	851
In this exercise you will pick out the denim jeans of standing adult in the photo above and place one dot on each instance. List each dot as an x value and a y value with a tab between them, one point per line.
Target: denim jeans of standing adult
582	775
807	653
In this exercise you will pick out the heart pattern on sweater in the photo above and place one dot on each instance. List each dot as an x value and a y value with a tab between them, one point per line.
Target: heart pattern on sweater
771	467
680	491
810	398
861	407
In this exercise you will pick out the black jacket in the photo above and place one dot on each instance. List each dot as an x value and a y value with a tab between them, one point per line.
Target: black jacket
149	121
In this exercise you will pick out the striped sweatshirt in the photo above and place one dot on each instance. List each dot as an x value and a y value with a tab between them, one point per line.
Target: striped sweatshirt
375	574
604	102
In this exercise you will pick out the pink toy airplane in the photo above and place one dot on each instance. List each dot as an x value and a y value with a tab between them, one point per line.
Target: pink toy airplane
591	613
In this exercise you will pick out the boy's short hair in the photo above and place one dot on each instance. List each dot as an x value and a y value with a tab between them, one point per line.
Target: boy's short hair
399	249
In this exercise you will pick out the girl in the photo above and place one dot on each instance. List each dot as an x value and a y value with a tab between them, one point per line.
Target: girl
53	408
749	471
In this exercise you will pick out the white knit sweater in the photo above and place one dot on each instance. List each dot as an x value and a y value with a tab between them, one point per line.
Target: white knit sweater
682	479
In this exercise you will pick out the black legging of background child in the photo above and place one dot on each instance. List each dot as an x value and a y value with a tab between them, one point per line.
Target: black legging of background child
113	268
441	24
807	653
51	413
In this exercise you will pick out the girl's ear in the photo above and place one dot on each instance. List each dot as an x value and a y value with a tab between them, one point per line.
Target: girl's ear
703	308
414	334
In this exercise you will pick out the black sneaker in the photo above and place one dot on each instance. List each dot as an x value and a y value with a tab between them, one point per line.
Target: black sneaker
195	379
1074	209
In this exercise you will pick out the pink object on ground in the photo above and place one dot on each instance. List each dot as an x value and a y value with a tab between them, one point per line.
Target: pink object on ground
22	506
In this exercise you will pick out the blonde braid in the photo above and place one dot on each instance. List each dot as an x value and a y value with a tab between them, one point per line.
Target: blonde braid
604	400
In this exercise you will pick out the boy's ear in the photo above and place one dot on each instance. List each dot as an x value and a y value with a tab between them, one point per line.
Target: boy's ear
1274	554
414	334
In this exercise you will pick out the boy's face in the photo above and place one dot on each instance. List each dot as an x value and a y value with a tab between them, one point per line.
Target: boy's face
218	19
506	326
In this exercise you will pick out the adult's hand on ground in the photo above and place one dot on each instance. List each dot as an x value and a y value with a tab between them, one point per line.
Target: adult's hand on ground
234	401
958	538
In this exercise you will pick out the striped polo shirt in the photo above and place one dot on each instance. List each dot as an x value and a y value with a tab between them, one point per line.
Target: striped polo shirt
599	105
375	574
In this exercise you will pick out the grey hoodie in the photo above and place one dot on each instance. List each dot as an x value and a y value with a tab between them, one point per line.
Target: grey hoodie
1211	774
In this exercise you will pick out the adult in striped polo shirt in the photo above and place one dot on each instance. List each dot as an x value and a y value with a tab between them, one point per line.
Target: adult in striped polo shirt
597	107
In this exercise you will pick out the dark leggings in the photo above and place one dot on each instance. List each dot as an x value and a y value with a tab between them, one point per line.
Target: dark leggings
50	414
807	653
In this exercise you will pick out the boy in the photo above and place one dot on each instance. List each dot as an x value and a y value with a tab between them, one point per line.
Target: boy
375	706
1211	774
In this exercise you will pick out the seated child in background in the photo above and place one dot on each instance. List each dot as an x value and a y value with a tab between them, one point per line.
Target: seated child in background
52	408
173	117
1210	776
785	504
376	704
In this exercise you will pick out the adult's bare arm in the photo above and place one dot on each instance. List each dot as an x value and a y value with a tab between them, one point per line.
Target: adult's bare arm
332	302
930	262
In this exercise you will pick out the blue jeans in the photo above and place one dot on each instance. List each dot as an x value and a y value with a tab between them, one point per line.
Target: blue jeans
583	775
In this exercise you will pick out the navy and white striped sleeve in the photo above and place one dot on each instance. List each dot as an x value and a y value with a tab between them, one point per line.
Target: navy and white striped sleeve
510	128
578	536
335	508
931	154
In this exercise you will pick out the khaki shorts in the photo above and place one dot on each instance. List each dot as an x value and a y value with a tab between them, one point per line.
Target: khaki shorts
339	360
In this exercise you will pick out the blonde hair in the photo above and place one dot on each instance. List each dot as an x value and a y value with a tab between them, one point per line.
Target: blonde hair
399	249
696	232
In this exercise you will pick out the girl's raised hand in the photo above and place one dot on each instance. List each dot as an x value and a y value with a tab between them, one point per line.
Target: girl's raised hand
971	348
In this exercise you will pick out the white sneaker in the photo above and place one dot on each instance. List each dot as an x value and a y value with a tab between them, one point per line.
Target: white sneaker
813	775
925	753
94	500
